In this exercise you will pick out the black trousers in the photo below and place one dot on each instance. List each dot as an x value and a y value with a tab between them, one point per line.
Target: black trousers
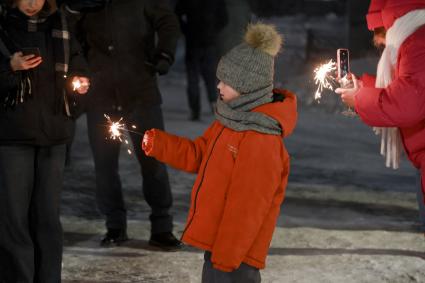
244	274
156	187
201	62
30	230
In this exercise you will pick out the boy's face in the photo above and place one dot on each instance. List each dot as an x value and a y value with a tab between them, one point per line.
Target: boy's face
30	7
227	93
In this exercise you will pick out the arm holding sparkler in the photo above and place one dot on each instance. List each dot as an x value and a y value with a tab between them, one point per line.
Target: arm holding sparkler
78	82
179	152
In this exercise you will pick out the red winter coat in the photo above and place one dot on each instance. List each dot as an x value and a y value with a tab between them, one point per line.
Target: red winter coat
402	103
239	189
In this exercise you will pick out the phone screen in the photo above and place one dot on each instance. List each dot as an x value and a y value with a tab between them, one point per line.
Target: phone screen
31	51
343	62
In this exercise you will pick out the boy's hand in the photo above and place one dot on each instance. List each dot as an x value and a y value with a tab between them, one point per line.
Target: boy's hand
348	94
19	62
147	142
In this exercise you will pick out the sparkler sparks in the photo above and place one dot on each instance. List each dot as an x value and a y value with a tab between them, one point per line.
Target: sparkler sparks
118	131
115	128
76	85
323	78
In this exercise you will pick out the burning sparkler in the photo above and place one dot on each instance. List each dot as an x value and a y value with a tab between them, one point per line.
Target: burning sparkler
76	85
115	128
118	131
324	78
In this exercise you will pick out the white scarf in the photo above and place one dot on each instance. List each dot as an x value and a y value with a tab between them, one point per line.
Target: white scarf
391	145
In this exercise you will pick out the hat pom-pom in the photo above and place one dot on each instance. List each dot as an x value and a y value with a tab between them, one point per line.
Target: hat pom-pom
264	37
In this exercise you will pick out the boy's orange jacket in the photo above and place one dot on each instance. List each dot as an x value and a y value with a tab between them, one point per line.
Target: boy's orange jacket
240	185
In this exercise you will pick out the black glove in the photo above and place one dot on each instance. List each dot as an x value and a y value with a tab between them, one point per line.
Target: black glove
162	66
86	5
161	63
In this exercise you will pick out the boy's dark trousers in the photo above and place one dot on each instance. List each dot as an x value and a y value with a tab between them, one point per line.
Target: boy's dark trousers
244	274
30	230
156	187
201	62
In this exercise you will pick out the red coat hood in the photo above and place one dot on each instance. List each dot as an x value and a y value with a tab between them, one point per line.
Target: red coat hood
374	16
395	9
284	112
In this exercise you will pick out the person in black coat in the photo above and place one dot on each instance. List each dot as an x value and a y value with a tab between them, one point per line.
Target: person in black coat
39	61
201	23
127	43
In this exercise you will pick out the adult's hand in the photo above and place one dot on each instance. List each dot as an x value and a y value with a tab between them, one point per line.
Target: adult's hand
348	95
81	85
86	5
19	62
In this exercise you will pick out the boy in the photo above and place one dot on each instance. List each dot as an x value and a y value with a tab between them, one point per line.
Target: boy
241	162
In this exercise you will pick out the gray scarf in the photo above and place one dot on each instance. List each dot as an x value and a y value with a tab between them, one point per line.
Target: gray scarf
237	113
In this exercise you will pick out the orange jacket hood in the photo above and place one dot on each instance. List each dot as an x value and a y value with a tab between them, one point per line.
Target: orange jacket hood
285	112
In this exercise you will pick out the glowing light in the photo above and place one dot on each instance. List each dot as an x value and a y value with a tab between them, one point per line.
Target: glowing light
118	131
76	85
115	128
324	77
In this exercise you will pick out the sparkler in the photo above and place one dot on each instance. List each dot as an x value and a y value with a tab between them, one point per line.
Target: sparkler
324	78
118	131
76	85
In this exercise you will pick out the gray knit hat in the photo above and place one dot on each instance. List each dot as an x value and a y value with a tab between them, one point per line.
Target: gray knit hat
250	65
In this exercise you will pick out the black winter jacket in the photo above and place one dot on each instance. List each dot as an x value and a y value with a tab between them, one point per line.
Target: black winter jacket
37	121
122	41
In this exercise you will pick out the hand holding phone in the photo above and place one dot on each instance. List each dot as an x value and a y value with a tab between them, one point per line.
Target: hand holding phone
26	51
343	62
20	62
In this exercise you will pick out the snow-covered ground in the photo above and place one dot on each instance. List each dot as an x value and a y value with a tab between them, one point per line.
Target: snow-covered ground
346	217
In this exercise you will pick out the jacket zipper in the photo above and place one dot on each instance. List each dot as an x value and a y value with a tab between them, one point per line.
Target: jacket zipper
200	184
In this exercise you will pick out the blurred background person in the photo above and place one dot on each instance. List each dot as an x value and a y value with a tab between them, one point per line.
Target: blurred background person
201	23
127	44
39	60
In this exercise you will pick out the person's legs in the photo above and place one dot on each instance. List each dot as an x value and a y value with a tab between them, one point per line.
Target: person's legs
208	67
193	73
156	186
108	184
16	186
244	274
45	224
421	199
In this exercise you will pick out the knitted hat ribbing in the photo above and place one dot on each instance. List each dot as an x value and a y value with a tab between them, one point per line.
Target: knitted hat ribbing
250	65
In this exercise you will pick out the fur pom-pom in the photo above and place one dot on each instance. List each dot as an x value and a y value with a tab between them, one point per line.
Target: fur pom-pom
264	37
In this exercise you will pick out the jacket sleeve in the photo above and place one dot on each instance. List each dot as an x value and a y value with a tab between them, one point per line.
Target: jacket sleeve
78	66
178	152
256	177
368	80
8	78
166	25
402	103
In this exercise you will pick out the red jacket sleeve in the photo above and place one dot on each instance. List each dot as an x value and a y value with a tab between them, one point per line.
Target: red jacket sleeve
402	103
178	152
368	80
256	177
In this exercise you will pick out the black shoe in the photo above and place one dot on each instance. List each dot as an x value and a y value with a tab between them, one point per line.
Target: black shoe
114	237
165	241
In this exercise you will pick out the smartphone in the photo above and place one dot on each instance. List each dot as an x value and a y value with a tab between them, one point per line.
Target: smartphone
343	61
31	51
